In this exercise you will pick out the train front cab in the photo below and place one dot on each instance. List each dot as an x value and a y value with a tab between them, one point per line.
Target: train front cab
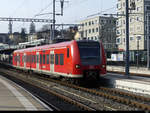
89	60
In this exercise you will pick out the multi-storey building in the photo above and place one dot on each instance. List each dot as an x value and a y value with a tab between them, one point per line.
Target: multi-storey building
139	27
100	28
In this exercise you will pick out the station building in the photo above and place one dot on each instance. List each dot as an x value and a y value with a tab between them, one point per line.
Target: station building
139	28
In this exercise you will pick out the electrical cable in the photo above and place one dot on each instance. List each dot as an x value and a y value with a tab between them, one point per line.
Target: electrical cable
44	9
22	3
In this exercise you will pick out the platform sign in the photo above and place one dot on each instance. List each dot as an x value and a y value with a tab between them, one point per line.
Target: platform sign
117	57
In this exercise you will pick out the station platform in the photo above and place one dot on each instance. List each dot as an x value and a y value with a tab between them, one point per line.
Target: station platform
138	70
132	83
15	98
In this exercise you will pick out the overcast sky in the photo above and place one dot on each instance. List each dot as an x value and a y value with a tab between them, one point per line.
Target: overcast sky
74	11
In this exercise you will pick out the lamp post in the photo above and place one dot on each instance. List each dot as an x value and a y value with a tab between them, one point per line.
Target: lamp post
148	45
127	39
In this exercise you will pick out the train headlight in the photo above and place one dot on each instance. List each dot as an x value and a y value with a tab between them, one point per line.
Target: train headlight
103	66
78	66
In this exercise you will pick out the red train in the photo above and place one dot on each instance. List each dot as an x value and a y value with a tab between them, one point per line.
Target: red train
73	59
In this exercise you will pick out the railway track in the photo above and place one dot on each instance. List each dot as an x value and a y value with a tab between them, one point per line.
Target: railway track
108	93
34	86
131	74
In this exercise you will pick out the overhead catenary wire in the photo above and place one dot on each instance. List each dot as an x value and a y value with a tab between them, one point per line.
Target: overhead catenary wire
20	6
44	9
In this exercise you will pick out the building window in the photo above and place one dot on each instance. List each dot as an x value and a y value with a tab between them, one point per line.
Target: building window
131	38
130	19
95	21
89	30
92	22
118	40
137	19
138	37
118	32
93	30
124	40
86	24
148	8
96	29
89	23
95	38
124	22
138	8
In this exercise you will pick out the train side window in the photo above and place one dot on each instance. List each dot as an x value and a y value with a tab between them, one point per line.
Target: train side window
52	59
67	52
23	58
56	59
34	59
28	58
44	59
31	58
40	59
61	59
47	59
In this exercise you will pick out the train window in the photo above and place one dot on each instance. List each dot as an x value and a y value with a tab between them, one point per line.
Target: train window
61	59
89	53
22	58
52	59
27	58
34	59
67	52
56	59
44	59
40	59
15	59
47	59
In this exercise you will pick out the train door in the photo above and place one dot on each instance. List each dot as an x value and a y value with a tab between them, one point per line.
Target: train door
18	60
52	61
37	61
24	59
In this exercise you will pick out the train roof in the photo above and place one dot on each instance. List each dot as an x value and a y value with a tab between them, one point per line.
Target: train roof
56	45
62	44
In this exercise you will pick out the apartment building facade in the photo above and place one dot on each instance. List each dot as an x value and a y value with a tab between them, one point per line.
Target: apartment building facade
139	28
100	28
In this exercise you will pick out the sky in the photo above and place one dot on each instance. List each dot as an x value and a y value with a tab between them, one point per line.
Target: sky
74	11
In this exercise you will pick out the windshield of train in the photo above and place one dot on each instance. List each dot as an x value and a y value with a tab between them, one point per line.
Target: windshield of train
89	53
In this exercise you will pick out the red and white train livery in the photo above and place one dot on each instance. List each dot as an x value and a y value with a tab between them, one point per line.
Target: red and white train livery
72	59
